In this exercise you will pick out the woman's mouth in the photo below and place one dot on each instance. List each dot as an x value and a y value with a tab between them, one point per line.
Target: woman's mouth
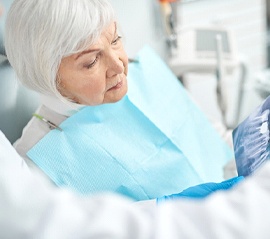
117	86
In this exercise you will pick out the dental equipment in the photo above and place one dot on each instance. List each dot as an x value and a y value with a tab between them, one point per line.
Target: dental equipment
220	73
208	49
169	16
196	50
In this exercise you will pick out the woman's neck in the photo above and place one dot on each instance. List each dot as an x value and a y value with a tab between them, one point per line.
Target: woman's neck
59	106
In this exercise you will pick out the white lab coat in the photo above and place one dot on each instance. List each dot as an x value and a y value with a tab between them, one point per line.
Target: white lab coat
31	208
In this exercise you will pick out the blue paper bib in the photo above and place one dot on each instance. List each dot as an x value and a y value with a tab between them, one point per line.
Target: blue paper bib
153	142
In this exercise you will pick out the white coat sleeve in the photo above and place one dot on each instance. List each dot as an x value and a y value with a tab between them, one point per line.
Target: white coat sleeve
30	208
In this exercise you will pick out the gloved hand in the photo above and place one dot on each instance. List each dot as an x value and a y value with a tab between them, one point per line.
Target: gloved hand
202	190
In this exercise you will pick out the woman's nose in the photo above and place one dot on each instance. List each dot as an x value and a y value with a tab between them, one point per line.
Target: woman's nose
115	65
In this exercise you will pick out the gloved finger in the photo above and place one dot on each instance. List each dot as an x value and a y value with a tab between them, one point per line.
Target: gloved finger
202	190
205	189
228	183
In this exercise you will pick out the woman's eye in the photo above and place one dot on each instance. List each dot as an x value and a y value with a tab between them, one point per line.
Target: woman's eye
92	63
116	40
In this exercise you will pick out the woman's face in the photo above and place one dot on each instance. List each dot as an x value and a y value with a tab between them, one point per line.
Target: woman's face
98	74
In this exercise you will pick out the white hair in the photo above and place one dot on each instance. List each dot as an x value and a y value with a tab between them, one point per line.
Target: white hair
39	33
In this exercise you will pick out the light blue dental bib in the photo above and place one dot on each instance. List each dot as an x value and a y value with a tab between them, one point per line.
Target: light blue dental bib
153	142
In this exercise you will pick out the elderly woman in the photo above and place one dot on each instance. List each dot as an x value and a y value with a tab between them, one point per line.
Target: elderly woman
71	53
51	59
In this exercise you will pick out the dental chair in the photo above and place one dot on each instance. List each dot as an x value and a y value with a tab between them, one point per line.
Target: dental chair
16	102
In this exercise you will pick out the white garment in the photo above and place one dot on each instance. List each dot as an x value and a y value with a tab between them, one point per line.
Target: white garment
30	208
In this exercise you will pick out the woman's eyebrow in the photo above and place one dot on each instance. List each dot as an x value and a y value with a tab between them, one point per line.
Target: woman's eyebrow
86	52
94	50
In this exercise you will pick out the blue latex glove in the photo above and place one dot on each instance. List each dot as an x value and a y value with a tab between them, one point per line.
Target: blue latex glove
202	190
